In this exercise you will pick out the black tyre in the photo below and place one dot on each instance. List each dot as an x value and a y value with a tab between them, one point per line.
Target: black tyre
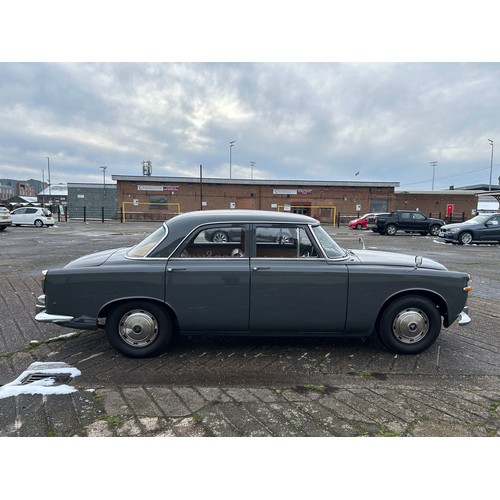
139	329
434	230
220	237
409	325
391	230
465	238
38	223
359	227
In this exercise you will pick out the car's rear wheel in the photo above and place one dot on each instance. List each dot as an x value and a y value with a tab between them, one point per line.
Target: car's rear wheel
38	223
434	230
391	230
139	329
410	325
465	238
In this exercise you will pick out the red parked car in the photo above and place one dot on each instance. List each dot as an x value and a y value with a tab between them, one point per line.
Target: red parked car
362	222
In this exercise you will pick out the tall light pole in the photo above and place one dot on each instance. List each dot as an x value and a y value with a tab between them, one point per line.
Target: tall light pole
48	179
491	166
252	164
103	181
231	144
433	164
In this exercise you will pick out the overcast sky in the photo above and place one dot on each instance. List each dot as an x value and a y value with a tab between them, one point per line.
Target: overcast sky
334	121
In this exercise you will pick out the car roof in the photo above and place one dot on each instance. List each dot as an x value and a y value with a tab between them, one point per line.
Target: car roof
227	216
181	225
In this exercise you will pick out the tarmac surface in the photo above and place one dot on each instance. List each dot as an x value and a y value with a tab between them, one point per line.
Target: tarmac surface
59	382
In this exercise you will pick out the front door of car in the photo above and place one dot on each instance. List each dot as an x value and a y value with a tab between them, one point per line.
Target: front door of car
19	216
293	288
207	281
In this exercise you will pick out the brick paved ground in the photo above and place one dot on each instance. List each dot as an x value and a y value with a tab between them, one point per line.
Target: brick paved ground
247	387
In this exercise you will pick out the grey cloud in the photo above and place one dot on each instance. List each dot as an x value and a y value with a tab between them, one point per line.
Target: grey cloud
303	120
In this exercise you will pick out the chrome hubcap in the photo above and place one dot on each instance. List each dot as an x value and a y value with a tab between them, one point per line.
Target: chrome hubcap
410	326
138	328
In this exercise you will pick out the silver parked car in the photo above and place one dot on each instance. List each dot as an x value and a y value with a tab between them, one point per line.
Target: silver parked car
180	281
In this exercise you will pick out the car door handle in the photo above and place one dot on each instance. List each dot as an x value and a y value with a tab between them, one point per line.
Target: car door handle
172	269
259	268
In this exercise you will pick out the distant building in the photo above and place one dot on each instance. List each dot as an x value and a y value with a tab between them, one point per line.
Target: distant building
29	187
440	203
6	192
92	201
55	194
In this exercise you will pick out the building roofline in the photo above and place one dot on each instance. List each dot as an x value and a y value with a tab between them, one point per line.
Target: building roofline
250	182
441	192
90	185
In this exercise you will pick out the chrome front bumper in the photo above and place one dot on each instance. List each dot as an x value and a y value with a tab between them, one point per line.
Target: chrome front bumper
464	317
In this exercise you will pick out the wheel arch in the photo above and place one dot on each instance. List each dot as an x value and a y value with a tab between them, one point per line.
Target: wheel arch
434	297
106	309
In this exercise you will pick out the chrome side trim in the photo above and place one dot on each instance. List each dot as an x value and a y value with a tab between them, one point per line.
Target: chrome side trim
44	317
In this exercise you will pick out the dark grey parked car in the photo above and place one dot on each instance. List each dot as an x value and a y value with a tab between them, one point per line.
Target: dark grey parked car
484	227
178	281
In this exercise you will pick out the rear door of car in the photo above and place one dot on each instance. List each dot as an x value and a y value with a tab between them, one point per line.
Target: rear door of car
31	215
293	287
491	231
207	282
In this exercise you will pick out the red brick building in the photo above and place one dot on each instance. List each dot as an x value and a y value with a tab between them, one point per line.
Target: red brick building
154	197
459	203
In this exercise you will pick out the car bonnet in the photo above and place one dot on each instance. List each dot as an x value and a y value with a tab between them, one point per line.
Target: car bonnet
378	258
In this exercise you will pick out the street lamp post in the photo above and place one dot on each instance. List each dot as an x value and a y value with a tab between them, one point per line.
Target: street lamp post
433	164
103	181
252	164
491	165
231	144
48	180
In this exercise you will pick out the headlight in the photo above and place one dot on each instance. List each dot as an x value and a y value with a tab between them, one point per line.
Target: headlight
454	230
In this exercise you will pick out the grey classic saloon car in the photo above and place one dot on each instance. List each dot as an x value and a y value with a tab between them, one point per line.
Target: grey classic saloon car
179	281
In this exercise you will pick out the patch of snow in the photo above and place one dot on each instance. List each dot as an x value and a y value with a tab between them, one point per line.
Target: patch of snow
46	384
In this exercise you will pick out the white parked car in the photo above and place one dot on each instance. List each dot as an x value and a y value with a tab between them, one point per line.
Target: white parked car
5	218
28	216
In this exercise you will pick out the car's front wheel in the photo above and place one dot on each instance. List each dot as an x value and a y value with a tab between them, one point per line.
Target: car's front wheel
410	325
391	230
465	238
139	329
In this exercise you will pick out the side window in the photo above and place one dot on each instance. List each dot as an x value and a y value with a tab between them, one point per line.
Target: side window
285	242
31	210
405	216
216	242
418	216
